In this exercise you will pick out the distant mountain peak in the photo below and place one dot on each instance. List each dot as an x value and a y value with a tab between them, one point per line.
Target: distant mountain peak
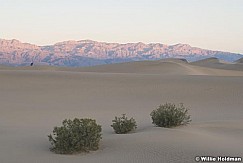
67	42
182	45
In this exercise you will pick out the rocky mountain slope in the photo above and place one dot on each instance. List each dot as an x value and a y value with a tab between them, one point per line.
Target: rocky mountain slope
88	53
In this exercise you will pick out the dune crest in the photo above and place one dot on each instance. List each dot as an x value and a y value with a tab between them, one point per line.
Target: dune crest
239	60
171	66
215	63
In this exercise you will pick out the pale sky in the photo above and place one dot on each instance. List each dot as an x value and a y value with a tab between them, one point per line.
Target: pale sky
210	24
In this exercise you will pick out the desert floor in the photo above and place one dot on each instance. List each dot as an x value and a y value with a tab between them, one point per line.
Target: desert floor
35	99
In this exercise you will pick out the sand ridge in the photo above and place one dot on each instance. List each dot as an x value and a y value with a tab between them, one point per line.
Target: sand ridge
170	66
219	64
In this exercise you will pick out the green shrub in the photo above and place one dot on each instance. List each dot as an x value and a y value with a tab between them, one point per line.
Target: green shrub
170	115
78	135
123	125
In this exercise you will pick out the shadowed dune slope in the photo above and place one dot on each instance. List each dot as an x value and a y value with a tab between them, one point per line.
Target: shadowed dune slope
239	60
218	64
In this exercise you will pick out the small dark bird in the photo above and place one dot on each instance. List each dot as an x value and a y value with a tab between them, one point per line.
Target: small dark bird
31	64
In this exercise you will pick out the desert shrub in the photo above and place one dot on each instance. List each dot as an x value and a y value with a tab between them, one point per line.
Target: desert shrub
78	135
123	125
170	115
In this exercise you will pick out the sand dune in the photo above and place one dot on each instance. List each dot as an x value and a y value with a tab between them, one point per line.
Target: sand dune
35	99
171	66
239	60
218	64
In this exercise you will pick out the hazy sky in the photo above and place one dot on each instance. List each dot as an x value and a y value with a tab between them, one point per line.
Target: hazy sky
211	24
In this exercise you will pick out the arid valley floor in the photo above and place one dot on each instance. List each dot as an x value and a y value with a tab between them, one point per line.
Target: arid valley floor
35	99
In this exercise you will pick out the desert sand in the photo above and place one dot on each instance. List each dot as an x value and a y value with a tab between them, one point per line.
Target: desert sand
35	99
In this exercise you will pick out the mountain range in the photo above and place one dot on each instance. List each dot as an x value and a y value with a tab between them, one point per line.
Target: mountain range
89	53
